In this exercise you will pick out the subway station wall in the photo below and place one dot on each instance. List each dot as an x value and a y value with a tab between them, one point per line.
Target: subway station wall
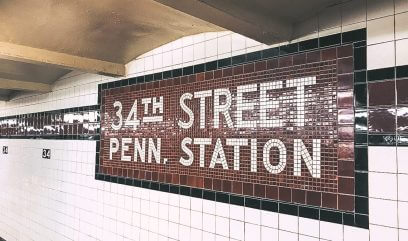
60	183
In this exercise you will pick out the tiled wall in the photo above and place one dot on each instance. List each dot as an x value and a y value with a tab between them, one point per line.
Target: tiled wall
59	198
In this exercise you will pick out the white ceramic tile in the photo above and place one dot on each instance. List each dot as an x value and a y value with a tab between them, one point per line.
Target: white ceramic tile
184	233
401	30
208	206
309	227
199	51
269	233
353	233
196	219
252	216
222	209
382	159
237	230
269	219
167	59
383	212
402	188
197	204
158	61
403	234
379	8
208	236
382	185
331	231
237	212
402	52
380	30
379	233
196	234
288	236
224	44
402	214
252	232
177	56
307	238
222	226
237	42
188	53
288	223
210	48
209	223
402	157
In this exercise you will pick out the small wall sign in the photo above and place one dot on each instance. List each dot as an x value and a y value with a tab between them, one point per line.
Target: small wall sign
46	153
5	149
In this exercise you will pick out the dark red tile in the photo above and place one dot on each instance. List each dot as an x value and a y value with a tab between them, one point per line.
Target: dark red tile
345	51
207	183
226	186
329	200
345	65
248	188
285	61
272	192
313	198
346	168
272	63
382	120
312	57
217	184
345	99
260	66
299	59
299	196
402	120
346	185
346	151
237	187
259	190
285	194
209	75
237	70
346	132
381	93
249	68
402	91
329	54
346	202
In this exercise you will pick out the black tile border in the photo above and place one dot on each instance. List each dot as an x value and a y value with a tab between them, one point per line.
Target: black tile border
359	218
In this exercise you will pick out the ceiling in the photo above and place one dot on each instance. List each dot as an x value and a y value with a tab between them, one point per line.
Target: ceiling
42	40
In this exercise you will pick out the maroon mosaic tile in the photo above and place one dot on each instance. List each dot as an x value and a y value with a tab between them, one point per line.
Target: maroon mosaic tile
279	129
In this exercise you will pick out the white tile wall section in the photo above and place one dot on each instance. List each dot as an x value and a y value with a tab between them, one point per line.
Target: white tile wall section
401	20
59	199
381	55
401	52
380	30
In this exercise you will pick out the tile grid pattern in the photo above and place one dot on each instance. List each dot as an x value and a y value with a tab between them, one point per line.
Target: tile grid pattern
78	89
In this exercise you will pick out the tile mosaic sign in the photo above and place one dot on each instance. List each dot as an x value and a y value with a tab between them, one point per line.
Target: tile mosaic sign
279	129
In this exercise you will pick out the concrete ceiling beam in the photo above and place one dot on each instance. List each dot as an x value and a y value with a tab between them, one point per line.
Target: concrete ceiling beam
266	29
41	56
10	84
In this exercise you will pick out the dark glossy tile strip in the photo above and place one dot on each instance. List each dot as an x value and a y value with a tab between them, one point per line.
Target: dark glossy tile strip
79	123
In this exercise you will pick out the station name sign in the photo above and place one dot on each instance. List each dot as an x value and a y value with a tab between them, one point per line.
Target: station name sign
228	110
268	129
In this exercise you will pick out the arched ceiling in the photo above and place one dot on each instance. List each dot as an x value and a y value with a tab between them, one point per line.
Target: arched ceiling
41	40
